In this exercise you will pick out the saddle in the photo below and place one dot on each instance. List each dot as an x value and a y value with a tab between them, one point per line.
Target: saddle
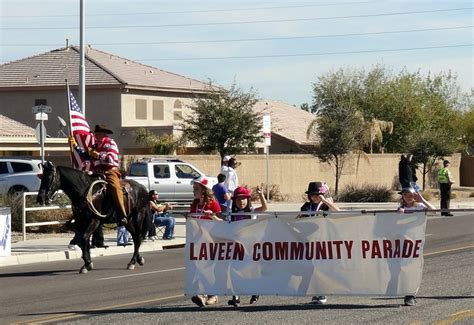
98	194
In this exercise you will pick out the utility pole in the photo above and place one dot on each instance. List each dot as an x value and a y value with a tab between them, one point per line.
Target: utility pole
82	68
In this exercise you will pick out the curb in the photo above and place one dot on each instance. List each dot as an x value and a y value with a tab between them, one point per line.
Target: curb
95	252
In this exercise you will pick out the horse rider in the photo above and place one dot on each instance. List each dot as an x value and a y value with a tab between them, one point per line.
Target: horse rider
104	155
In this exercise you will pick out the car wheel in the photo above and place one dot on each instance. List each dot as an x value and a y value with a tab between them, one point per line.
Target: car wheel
16	192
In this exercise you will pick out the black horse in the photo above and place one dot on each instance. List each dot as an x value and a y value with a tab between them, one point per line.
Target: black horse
77	186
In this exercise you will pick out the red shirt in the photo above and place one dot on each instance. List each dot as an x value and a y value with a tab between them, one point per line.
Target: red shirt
212	205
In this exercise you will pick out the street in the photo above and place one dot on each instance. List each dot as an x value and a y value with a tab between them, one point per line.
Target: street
54	292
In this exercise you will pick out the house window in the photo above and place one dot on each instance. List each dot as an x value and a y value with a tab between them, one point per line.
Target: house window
158	110
140	109
40	102
178	104
178	113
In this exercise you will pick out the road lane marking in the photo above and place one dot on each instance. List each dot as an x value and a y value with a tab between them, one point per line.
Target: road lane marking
456	317
448	250
66	316
143	273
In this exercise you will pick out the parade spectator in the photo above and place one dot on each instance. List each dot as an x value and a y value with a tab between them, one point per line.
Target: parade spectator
207	207
406	171
161	216
232	180
319	199
221	192
445	180
123	236
242	203
412	201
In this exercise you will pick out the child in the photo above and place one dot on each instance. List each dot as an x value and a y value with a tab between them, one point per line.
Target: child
412	201
318	200
241	203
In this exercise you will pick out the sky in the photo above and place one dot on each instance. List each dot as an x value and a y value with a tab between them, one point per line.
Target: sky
278	48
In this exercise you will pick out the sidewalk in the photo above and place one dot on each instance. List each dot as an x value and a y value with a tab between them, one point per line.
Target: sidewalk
56	248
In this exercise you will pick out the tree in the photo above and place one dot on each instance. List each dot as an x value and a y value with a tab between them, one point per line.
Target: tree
338	128
223	121
159	145
427	148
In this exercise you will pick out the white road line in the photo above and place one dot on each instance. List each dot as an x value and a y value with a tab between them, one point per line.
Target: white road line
139	274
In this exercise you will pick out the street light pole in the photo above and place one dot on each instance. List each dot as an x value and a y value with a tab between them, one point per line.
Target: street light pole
82	67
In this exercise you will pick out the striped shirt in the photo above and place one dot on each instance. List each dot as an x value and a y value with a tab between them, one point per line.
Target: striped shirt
108	154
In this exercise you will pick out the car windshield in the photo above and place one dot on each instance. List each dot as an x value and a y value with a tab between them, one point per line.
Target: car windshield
186	171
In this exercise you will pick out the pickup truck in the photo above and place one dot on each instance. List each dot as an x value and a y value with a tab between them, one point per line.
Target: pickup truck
170	177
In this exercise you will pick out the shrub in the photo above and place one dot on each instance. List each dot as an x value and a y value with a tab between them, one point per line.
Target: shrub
365	193
16	208
275	193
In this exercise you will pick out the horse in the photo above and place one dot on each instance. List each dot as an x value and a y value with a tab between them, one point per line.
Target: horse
79	187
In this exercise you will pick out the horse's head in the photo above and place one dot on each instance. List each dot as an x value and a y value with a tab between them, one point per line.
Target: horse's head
49	184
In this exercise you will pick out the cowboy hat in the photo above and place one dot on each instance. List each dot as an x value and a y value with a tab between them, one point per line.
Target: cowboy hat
102	129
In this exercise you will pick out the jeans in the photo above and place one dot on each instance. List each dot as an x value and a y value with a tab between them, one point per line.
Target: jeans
122	235
167	221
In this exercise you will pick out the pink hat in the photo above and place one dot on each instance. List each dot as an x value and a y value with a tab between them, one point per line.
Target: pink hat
204	182
242	192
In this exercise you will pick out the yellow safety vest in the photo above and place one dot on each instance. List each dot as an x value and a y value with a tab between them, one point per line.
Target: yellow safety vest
443	175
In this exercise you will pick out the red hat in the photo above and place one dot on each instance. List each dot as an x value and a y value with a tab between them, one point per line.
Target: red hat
204	182
242	192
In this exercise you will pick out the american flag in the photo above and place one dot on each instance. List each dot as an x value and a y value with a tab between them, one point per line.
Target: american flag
81	131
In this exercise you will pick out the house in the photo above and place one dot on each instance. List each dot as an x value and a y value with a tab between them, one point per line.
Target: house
124	95
18	139
288	125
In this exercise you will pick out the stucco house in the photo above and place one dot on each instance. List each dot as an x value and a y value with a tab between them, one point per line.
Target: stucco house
123	94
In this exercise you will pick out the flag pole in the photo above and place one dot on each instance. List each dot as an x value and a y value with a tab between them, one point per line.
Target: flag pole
70	124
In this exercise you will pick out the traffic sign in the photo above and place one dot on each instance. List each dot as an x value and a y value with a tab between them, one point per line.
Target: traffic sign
41	109
41	116
38	133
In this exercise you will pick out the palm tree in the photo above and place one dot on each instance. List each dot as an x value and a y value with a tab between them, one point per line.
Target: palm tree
373	132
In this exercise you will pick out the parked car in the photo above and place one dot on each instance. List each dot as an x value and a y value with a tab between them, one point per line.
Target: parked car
170	177
19	175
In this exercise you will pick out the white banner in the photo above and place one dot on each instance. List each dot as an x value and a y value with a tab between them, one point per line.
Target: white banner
5	232
356	254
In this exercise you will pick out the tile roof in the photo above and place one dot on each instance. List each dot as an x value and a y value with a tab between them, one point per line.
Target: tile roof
12	128
102	68
288	121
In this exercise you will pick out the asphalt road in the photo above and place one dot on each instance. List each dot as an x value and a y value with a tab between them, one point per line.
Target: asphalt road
54	292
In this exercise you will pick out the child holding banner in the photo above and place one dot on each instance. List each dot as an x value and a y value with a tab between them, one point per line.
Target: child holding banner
241	203
317	201
412	201
209	208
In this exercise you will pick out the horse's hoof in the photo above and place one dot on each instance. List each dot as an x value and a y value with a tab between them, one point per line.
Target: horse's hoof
131	267
90	267
83	270
141	260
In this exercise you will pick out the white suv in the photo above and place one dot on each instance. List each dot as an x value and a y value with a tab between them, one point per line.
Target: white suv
170	177
19	175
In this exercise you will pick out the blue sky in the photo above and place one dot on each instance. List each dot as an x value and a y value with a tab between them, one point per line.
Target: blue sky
300	42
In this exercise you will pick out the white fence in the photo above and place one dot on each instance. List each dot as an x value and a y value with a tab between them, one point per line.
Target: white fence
25	209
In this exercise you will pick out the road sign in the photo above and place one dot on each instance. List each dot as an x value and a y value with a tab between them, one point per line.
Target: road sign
38	134
41	109
267	129
41	116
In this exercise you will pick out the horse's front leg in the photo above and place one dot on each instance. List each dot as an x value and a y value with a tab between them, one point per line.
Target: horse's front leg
137	240
86	247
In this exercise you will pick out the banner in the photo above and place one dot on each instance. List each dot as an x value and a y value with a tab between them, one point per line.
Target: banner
354	254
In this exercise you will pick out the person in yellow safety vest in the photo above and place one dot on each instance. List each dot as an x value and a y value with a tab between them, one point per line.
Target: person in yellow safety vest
445	180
